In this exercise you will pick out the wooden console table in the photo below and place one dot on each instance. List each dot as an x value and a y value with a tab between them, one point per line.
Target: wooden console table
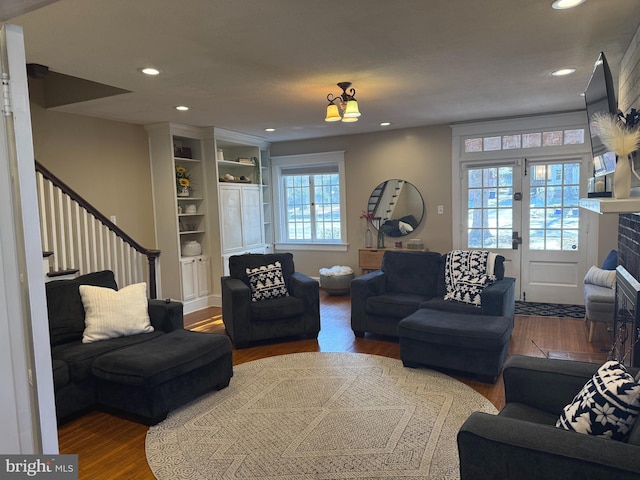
370	259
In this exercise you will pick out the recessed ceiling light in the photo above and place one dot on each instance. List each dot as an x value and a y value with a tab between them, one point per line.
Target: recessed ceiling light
385	124
150	71
563	71
182	108
269	129
564	4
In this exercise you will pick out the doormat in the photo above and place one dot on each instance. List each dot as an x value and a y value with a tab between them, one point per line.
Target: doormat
549	309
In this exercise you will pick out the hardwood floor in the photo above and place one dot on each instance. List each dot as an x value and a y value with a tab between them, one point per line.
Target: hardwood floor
111	447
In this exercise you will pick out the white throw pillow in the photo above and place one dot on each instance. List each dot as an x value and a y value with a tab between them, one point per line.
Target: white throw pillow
404	228
114	313
600	277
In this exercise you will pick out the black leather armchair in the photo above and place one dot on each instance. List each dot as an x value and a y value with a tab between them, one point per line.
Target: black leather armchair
522	442
297	314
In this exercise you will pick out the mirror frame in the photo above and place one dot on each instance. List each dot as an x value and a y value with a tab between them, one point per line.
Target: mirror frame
376	222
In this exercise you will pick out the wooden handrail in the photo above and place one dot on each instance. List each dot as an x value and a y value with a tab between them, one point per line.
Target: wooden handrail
151	254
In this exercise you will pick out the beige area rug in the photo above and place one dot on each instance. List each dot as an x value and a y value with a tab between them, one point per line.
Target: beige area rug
318	416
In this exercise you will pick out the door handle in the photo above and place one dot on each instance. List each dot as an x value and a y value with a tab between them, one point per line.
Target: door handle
515	240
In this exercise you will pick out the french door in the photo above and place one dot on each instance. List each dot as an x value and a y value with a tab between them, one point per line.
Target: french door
528	212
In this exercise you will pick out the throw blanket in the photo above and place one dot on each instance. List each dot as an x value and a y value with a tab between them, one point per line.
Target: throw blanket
466	274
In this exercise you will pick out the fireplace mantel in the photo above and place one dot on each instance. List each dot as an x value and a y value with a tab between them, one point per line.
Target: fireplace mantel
611	205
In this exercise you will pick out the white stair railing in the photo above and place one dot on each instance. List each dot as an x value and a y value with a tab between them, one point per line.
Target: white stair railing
81	238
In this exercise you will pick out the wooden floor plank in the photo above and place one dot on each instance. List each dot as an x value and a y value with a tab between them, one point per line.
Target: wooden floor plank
110	447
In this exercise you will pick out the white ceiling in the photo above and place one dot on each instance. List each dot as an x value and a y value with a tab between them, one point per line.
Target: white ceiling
250	64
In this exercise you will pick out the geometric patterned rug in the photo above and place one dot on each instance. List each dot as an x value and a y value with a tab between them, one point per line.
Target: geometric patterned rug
549	309
318	416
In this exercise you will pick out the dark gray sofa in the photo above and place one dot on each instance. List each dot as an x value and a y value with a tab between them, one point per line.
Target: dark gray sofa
405	299
522	442
297	314
138	389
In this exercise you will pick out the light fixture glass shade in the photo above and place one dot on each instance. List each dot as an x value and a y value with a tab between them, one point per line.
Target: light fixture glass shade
352	109
333	115
349	119
564	4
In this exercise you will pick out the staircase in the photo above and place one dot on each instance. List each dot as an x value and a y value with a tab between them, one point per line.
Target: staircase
78	239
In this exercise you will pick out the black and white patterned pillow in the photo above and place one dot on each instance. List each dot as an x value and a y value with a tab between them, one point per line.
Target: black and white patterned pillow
607	406
267	282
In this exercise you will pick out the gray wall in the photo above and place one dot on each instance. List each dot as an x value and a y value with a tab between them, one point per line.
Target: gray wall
106	162
420	155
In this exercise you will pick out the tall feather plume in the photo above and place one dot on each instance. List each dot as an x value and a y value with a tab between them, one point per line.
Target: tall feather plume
615	135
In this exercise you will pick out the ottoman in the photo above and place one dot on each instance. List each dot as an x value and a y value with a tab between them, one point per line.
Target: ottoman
336	280
475	344
150	379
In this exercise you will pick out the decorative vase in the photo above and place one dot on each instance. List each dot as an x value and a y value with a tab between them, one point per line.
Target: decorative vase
622	178
191	248
380	239
183	192
368	239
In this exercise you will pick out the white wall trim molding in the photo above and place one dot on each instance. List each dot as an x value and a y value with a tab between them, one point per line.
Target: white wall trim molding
27	402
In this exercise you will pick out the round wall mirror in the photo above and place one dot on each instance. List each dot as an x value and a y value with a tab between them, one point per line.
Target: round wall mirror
397	206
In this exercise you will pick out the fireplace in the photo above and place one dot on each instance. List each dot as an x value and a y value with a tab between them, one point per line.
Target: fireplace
626	324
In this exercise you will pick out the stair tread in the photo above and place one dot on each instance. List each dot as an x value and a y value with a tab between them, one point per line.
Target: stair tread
60	273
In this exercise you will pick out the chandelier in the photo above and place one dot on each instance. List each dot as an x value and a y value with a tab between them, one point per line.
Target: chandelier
348	105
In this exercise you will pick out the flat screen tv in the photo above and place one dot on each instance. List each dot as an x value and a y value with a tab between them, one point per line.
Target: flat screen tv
600	97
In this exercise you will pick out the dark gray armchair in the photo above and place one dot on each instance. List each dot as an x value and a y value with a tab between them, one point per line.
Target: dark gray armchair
380	299
522	442
246	321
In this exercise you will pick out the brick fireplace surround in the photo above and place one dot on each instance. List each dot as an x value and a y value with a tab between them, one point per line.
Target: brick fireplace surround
629	243
629	97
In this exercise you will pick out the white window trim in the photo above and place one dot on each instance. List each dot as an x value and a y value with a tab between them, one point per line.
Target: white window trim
280	162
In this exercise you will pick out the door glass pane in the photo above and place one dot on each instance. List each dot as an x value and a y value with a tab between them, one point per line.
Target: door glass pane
490	207
554	217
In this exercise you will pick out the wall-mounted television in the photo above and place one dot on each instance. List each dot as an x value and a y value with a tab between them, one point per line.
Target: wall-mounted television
600	98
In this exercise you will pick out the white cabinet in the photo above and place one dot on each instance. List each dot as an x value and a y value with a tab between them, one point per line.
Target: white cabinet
240	218
241	200
204	276
189	274
196	277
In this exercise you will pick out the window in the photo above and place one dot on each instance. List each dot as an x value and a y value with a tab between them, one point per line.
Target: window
309	194
490	207
554	216
573	136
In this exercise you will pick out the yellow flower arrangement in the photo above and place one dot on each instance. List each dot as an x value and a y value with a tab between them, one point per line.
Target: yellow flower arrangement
182	178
